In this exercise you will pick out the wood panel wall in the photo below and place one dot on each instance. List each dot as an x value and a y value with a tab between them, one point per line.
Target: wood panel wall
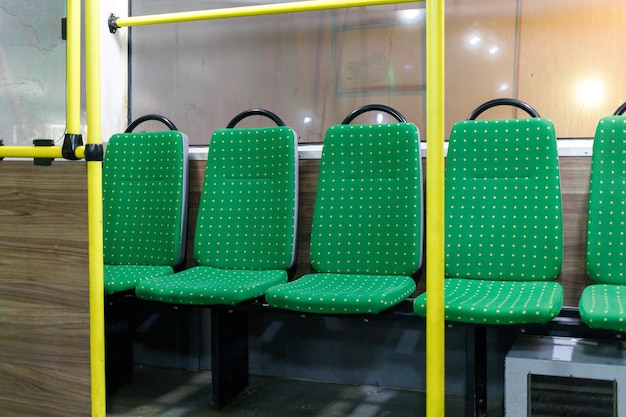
44	299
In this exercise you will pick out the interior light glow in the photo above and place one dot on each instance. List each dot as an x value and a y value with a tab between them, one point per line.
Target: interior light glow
474	40
493	50
410	16
590	92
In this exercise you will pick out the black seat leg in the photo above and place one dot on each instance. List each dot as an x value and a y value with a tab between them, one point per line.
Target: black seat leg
476	374
229	354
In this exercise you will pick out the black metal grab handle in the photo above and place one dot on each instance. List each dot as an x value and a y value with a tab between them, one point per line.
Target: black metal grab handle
255	112
620	110
167	122
373	107
503	102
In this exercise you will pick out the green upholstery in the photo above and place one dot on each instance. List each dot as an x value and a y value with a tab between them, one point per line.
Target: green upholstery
602	305
503	222
144	190
246	226
366	238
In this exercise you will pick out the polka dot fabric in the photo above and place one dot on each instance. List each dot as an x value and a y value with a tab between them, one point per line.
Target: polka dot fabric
119	278
602	305
606	221
143	204
503	222
245	231
498	302
341	293
368	207
366	237
203	285
247	212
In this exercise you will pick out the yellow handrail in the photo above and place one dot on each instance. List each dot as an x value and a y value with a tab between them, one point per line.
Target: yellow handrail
94	205
435	111
73	67
257	10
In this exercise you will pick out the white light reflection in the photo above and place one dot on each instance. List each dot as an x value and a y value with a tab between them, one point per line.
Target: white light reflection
504	87
380	118
474	40
410	16
493	50
307	120
590	92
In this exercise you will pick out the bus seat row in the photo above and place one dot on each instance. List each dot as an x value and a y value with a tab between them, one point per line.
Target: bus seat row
503	220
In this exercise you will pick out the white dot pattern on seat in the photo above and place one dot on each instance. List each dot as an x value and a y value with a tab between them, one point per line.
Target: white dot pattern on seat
606	221
203	285
247	211
119	278
503	201
143	198
498	302
604	306
341	293
368	207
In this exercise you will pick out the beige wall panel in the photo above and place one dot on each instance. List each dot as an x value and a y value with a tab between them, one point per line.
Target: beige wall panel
571	61
44	295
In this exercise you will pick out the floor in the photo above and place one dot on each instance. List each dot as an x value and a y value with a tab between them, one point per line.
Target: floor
176	393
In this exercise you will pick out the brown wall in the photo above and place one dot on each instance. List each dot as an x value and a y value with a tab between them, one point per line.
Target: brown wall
44	300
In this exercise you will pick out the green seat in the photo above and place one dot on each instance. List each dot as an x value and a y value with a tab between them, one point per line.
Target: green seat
603	304
503	223
366	239
246	225
144	190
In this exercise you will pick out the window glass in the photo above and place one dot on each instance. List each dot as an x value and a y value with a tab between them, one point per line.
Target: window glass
32	71
563	57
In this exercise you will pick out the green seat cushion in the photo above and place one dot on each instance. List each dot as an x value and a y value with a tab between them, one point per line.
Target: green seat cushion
498	302
367	217
604	306
503	201
118	278
328	293
202	285
606	221
247	210
144	198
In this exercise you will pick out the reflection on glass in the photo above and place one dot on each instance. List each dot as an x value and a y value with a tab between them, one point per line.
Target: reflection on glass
314	68
32	71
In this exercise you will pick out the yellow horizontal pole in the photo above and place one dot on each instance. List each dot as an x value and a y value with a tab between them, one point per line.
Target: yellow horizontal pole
31	152
257	10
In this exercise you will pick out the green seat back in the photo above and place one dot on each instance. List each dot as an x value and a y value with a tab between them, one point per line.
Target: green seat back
144	190
503	201
248	208
606	225
368	206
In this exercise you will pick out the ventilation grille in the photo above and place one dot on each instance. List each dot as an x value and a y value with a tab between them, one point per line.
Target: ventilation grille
553	396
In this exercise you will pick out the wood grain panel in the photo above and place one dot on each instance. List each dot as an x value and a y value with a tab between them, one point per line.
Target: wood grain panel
44	299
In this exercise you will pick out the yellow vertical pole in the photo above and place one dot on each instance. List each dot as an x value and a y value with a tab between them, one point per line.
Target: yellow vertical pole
435	111
94	184
73	67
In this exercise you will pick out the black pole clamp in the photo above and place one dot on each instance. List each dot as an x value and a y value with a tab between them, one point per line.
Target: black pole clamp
70	143
113	27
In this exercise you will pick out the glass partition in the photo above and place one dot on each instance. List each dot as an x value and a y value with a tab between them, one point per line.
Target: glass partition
564	57
32	71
